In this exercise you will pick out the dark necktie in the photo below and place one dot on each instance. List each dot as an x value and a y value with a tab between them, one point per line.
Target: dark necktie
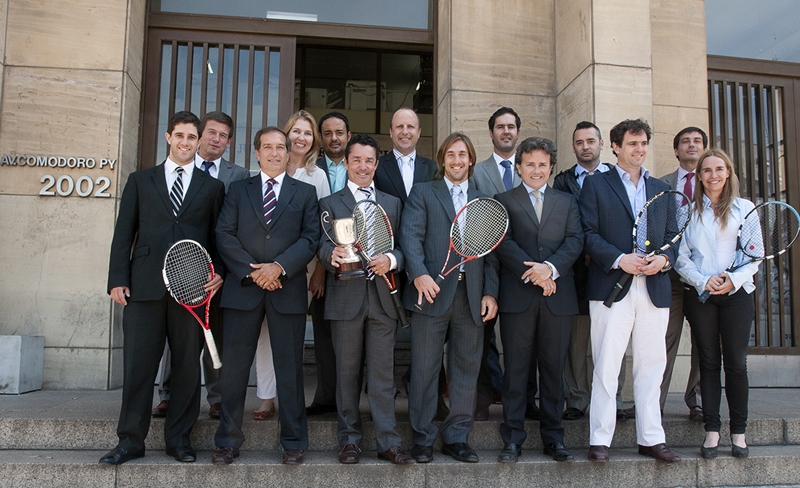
207	165
176	193
687	187
507	177
269	201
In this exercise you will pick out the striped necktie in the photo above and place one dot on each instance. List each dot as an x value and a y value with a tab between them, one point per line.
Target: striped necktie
269	200
176	193
370	222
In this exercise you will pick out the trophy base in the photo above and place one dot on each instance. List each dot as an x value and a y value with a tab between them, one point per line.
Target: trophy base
348	271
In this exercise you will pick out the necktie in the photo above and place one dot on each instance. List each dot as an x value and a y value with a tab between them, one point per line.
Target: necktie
207	165
269	200
176	193
458	202
507	177
537	207
369	223
687	187
407	171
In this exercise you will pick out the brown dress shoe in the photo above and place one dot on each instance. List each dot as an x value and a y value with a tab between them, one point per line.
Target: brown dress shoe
598	454
215	410
293	456
396	455
349	454
660	452
161	409
224	455
695	413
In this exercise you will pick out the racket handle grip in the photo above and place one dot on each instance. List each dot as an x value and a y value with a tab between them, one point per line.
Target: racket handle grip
212	349
398	307
439	279
617	289
703	296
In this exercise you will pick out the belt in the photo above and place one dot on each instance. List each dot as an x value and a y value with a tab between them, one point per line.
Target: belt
462	276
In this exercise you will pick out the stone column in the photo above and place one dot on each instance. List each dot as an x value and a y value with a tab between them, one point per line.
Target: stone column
71	85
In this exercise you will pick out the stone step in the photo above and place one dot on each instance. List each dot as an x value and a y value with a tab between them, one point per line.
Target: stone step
67	434
769	465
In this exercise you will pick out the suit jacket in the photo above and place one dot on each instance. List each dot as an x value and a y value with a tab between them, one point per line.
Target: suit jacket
425	239
607	223
229	172
672	180
343	299
558	239
566	180
388	178
146	228
291	239
486	177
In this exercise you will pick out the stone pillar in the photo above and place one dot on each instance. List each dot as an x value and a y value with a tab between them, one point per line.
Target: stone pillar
490	55
71	88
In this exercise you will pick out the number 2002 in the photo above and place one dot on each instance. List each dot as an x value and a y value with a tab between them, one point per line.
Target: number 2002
84	187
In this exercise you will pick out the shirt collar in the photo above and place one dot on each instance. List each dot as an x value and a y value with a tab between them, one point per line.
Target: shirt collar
171	166
354	189
623	173
682	174
278	179
601	168
529	189
331	163
464	185
498	159
412	155
198	161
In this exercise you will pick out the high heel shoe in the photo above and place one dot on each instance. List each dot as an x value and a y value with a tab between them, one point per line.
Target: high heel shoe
709	452
739	452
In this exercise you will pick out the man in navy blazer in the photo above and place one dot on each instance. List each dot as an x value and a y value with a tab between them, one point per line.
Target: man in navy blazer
537	296
609	203
457	309
268	232
160	206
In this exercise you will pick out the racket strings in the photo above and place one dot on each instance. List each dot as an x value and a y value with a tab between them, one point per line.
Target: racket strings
187	270
768	231
661	221
374	230
484	224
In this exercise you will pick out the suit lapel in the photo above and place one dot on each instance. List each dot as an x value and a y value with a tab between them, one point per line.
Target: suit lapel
548	204
225	172
616	184
288	190
440	190
495	177
648	187
420	168
524	200
194	188
347	198
160	182
393	170
257	198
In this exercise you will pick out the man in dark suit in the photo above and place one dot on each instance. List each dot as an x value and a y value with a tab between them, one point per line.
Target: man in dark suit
216	130
335	130
362	314
587	144
268	232
608	203
537	296
402	167
464	301
159	207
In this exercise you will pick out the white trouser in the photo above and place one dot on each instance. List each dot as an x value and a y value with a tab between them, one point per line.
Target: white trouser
634	317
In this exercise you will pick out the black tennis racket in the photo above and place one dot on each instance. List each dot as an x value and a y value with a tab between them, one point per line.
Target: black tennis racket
767	231
375	237
187	269
477	230
659	225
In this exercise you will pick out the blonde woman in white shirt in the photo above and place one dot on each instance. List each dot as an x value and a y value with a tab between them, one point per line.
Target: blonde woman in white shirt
721	325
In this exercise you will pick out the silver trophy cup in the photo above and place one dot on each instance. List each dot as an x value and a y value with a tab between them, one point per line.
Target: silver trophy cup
345	234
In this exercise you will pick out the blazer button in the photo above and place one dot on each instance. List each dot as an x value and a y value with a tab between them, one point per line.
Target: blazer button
268	236
541	248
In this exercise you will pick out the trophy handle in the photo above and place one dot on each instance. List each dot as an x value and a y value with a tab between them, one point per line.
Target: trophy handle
324	218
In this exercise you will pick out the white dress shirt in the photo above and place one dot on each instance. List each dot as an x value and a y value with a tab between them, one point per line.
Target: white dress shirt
170	172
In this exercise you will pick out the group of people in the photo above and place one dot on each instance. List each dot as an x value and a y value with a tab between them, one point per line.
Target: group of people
566	247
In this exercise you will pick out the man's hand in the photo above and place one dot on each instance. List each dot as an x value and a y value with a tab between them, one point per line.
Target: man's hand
426	288
316	285
380	264
339	255
537	273
632	263
548	287
266	275
214	285
488	307
654	264
119	293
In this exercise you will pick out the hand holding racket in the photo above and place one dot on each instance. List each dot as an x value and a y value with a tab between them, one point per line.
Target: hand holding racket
659	225
187	270
478	228
375	237
767	231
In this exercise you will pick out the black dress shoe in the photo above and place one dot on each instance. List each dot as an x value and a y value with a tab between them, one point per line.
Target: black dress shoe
695	413
118	456
709	452
319	409
621	415
224	455
739	452
558	452
510	453
184	454
293	456
532	412
460	451
423	454
572	414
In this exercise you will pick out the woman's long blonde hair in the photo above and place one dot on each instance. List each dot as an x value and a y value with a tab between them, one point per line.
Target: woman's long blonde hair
730	191
310	159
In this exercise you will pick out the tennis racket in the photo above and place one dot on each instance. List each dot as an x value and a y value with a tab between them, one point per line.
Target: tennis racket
659	225
479	227
767	231
187	269
375	237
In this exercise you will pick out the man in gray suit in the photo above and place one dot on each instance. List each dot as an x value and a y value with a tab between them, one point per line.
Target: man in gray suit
216	131
362	314
465	300
492	176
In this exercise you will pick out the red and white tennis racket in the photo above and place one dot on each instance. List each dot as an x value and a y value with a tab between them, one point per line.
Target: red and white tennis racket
477	230
187	269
